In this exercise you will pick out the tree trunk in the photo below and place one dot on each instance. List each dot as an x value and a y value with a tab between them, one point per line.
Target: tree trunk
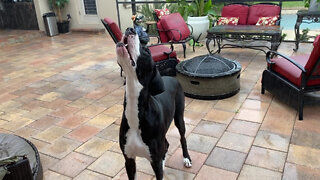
59	14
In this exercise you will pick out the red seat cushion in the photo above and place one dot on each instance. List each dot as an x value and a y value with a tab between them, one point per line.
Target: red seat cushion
262	10
292	73
174	24
114	28
157	53
236	10
162	34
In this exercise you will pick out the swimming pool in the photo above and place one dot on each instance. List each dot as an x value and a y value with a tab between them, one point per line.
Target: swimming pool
288	22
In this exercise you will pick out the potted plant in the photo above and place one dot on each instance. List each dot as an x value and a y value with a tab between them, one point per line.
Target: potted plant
197	13
312	5
58	5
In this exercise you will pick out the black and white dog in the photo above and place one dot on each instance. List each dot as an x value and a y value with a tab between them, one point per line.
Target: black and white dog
151	102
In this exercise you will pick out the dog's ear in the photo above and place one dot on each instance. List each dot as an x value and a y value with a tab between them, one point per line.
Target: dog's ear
156	85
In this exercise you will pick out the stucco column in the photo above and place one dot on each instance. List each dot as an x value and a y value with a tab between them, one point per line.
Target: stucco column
41	7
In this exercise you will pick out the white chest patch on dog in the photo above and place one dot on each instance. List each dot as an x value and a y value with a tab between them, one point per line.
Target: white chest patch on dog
134	146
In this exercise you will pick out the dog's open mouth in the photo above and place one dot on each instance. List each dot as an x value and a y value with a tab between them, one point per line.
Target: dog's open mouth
129	34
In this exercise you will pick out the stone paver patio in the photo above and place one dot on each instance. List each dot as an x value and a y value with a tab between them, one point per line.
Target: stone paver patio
65	95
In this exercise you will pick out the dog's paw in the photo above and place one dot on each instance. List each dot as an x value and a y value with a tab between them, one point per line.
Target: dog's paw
187	163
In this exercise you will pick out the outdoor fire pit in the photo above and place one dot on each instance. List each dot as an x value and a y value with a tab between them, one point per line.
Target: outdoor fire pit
209	77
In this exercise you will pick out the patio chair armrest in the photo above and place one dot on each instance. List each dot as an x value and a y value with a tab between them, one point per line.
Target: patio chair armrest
268	58
170	31
190	27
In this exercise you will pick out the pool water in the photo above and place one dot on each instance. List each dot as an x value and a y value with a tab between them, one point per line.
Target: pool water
288	22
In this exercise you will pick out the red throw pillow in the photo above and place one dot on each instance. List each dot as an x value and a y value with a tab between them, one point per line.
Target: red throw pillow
161	12
228	21
236	10
267	21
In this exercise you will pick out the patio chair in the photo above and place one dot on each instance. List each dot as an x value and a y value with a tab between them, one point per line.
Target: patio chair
164	57
173	29
292	77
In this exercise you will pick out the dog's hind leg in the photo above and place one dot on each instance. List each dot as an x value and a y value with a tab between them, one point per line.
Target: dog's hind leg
130	168
157	168
179	122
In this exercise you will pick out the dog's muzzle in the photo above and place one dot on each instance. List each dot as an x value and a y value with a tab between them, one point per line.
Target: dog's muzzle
128	32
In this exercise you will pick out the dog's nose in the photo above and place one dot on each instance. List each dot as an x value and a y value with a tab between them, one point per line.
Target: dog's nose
120	44
130	31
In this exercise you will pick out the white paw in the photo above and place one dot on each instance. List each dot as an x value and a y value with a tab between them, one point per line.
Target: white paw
187	163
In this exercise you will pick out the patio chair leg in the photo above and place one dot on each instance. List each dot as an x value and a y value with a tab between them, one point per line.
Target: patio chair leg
184	49
194	43
300	106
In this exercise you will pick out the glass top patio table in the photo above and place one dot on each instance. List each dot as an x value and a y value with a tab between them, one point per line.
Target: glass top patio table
245	30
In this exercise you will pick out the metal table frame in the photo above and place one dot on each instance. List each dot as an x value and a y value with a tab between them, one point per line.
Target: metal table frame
304	16
242	34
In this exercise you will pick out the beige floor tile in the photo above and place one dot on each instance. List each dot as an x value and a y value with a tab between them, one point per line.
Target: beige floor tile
173	130
200	106
193	118
95	147
122	175
83	133
81	103
102	121
278	125
235	141
255	105
110	133
305	156
60	148
172	174
176	161
243	127
112	168
227	106
201	143
226	159
266	158
72	164
51	134
47	161
91	111
16	124
209	128
272	141
114	111
49	97
208	173
50	175
305	138
174	143
250	115
72	122
296	172
253	173
219	116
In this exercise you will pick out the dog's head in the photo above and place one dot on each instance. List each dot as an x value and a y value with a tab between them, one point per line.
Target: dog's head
137	64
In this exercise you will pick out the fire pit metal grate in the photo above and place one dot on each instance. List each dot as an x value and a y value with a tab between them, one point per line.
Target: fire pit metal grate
209	77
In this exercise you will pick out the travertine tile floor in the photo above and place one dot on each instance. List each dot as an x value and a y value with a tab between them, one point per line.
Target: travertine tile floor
65	95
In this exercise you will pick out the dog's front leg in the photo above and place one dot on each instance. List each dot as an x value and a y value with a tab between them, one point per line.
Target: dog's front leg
157	168
131	168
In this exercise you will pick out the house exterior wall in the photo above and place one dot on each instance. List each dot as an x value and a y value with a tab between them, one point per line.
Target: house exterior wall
105	8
